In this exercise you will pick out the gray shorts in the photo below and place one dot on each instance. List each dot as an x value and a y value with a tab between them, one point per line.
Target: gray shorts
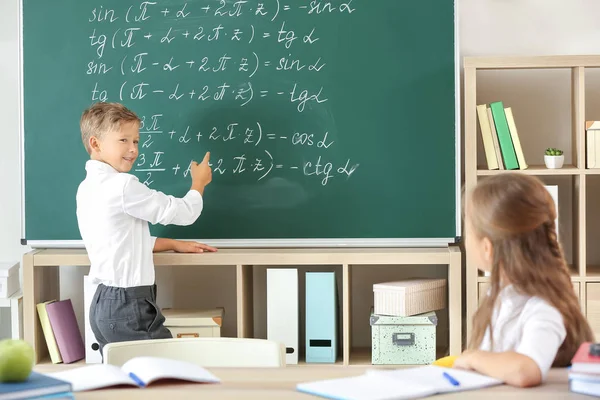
124	314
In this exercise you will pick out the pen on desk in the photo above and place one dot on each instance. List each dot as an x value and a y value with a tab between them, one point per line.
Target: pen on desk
451	379
137	380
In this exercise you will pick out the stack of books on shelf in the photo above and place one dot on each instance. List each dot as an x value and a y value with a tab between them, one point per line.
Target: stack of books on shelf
59	324
500	138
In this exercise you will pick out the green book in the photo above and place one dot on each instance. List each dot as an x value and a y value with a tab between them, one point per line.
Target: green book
506	145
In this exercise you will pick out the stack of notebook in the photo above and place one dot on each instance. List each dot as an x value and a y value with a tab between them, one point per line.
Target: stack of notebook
37	386
584	376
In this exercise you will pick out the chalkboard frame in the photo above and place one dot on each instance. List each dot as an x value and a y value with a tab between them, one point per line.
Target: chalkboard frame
272	243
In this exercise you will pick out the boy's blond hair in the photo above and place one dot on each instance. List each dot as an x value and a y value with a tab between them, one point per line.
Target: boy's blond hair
101	118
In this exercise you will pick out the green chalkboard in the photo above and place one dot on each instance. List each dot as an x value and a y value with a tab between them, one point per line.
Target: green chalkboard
326	120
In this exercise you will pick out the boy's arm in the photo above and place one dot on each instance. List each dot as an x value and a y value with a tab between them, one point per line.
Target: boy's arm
180	246
156	207
162	244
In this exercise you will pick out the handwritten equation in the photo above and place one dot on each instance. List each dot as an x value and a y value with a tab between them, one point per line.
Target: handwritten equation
139	46
261	166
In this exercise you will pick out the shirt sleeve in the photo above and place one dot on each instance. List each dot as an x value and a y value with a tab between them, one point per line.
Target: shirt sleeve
156	207
543	334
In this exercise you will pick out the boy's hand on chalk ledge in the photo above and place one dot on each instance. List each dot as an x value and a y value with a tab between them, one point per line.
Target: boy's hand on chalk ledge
201	174
192	247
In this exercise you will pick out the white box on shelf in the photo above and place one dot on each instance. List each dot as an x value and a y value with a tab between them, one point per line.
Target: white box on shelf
283	310
186	323
409	297
15	303
9	279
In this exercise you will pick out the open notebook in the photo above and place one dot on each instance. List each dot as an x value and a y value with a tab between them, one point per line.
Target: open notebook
139	371
408	383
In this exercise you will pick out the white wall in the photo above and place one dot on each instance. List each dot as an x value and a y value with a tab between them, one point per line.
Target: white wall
487	27
540	99
10	186
10	182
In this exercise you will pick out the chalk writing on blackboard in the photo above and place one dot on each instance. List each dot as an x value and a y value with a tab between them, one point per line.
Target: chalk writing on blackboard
142	48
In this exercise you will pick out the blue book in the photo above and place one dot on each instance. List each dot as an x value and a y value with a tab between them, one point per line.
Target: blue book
57	396
36	385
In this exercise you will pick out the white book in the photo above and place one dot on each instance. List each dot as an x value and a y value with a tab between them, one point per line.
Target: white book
139	371
408	383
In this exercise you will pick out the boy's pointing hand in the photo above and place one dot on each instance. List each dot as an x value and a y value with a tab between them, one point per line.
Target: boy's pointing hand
201	174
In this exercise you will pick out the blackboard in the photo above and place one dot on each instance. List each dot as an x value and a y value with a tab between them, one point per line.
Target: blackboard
329	122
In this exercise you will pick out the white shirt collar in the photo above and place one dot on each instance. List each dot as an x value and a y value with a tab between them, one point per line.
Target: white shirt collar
512	296
95	166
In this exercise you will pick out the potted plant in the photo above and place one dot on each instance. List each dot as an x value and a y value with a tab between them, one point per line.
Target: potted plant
554	158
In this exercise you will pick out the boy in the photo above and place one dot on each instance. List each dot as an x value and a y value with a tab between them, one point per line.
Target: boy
113	211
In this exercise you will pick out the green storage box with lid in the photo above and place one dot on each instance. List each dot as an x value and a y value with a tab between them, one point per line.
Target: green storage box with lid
403	340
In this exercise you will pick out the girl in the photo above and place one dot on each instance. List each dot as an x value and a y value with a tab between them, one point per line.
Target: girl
530	321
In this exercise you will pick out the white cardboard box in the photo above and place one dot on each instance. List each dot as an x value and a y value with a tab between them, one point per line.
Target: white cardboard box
186	323
409	297
9	279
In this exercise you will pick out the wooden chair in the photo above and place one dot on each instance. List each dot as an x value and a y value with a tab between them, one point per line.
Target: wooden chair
203	351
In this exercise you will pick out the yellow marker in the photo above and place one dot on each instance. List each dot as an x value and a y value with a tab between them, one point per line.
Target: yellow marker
447	361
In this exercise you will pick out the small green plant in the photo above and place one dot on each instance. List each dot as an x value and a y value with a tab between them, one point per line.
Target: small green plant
551	151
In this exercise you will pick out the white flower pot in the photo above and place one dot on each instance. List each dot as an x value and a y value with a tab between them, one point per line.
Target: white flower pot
554	162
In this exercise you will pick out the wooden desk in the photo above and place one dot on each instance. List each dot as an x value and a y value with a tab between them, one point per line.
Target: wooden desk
280	383
41	280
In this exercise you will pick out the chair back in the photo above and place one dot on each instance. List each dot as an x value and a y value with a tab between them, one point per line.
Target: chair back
203	351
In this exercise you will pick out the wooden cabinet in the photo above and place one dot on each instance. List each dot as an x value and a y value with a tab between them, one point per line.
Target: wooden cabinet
574	178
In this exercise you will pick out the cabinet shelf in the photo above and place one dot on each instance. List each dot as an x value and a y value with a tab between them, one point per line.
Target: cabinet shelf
539	170
585	277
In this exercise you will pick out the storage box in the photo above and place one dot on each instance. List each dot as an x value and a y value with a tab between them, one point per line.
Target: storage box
409	297
403	340
186	323
592	146
9	279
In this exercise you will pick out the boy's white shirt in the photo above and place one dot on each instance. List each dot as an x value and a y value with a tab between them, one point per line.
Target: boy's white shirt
113	211
526	325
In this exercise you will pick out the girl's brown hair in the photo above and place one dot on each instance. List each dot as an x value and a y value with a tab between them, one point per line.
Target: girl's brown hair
517	214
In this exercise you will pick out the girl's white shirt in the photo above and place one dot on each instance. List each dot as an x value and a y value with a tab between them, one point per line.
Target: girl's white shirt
526	325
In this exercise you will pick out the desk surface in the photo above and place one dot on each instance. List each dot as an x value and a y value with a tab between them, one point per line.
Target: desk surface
279	383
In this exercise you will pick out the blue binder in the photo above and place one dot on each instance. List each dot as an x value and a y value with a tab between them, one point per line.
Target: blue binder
321	317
